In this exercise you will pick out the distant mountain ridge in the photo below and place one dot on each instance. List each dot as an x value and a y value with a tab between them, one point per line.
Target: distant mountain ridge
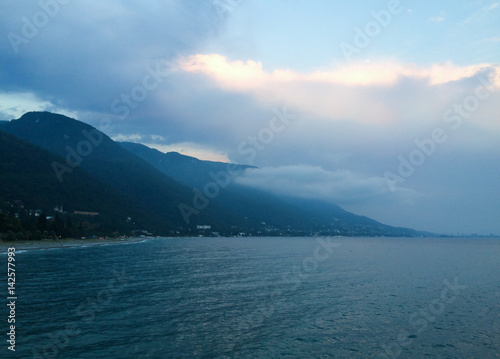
159	185
323	216
184	169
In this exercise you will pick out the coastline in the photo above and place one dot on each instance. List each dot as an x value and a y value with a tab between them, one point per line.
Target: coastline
65	243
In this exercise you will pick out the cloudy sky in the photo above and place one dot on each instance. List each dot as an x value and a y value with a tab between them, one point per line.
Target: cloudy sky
390	109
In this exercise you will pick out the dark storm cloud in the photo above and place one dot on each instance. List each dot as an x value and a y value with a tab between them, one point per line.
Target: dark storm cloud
87	53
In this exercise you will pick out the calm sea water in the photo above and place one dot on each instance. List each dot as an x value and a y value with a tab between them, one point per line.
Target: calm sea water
260	298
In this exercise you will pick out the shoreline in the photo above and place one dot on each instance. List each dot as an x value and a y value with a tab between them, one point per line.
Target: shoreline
65	243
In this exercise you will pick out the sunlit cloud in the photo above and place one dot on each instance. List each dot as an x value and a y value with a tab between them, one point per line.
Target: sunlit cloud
190	149
367	91
186	148
235	74
250	74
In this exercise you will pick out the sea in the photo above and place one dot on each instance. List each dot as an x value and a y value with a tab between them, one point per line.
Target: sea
248	297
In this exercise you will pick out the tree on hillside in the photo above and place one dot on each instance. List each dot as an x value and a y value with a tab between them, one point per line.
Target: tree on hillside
8	222
42	224
10	236
58	226
70	230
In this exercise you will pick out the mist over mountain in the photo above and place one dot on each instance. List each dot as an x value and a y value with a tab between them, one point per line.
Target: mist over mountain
72	164
323	216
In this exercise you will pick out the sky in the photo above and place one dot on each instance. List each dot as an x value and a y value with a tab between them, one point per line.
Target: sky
388	108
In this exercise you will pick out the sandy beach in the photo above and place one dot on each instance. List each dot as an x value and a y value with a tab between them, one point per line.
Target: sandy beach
64	243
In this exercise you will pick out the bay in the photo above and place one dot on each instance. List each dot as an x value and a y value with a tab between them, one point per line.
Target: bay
261	298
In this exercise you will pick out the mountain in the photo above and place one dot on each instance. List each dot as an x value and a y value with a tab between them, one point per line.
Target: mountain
166	193
311	215
254	205
81	145
184	169
347	223
27	179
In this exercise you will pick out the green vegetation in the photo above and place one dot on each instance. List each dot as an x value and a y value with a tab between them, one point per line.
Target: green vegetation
29	187
17	223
